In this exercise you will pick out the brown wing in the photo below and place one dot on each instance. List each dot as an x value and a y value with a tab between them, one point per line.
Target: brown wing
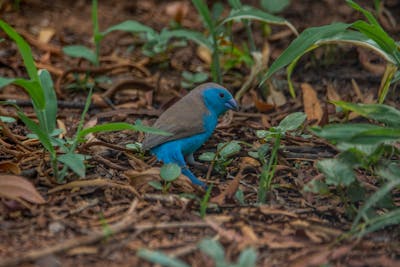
183	119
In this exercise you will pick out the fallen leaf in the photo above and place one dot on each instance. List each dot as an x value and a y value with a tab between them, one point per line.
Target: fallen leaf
276	97
9	166
46	34
177	10
332	94
204	54
230	191
312	106
17	187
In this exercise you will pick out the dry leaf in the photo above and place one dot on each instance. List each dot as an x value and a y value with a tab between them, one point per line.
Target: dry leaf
276	97
332	94
10	167
177	10
312	107
204	54
17	187
46	34
230	191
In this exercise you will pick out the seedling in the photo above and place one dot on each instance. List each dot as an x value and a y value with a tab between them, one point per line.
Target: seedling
169	172
190	80
222	158
204	202
370	148
291	123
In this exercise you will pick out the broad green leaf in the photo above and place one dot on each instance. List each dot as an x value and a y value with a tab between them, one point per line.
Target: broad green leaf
119	126
292	122
44	138
376	136
207	156
247	258
274	6
170	172
80	51
316	187
34	90
390	172
303	42
50	112
129	26
160	258
251	13
23	48
382	221
342	132
336	172
379	112
156	185
213	249
229	149
75	162
365	12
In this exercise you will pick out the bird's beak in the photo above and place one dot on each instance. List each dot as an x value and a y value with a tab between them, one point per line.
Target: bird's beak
231	104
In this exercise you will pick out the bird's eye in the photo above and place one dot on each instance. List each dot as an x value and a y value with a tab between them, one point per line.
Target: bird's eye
221	95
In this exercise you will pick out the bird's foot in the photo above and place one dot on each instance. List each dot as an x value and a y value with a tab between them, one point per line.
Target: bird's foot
193	178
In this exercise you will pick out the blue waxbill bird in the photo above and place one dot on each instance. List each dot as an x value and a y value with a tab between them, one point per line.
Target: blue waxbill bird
191	121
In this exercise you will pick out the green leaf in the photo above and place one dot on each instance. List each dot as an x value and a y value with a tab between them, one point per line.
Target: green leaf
48	116
379	112
229	149
129	26
44	138
247	258
207	156
342	132
6	81
80	51
213	249
316	187
75	162
194	36
160	258
7	119
170	172
376	136
251	13
302	43
292	122
156	185
336	172
119	126
274	6
23	48
379	222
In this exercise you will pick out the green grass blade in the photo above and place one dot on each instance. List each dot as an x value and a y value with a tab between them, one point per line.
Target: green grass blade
196	37
129	26
342	132
6	81
205	14
250	13
119	126
365	12
380	222
44	138
35	92
376	136
23	48
302	43
80	51
50	111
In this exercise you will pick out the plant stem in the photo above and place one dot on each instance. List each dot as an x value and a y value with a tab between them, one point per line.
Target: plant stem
215	67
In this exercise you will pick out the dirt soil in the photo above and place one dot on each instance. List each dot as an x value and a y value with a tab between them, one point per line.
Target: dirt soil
104	219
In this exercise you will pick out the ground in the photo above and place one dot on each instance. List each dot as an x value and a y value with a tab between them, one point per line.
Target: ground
294	228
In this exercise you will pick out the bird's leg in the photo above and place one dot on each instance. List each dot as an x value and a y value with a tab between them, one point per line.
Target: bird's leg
191	161
192	177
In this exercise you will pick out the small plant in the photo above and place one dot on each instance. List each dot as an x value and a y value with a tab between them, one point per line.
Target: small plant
169	172
190	80
222	158
212	248
369	149
40	89
367	34
204	202
291	123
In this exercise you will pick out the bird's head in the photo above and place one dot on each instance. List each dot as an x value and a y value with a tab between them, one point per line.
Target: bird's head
219	100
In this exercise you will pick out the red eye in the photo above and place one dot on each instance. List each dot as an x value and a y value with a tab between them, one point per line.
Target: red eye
221	95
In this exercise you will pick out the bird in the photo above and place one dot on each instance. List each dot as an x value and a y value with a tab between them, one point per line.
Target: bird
191	121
